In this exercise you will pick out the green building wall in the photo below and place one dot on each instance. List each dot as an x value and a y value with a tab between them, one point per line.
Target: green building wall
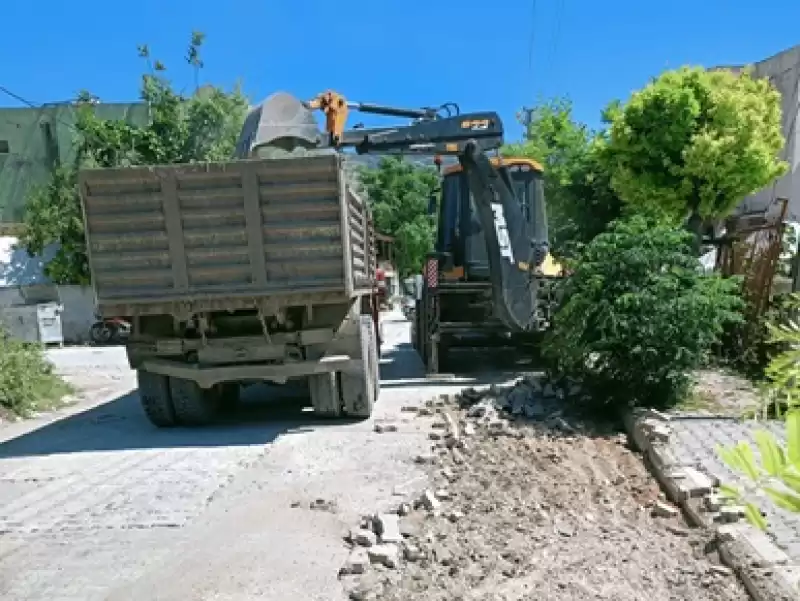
34	140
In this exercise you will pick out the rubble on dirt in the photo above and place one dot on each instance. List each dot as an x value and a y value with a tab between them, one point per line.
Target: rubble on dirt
527	502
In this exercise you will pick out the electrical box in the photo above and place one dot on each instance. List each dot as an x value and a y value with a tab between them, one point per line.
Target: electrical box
48	317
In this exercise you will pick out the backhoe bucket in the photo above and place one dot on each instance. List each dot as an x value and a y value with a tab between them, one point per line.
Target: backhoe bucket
281	123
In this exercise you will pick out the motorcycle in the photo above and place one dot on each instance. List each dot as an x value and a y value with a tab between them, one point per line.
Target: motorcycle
109	330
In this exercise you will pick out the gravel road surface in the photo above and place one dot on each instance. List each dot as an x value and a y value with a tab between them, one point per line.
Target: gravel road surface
95	503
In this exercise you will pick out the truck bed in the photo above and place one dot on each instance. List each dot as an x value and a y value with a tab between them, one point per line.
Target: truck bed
225	235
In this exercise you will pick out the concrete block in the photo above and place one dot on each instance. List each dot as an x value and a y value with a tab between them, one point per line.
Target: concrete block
387	527
387	555
731	513
637	434
429	501
363	537
663	509
655	429
693	484
712	502
357	562
762	552
662	457
643	413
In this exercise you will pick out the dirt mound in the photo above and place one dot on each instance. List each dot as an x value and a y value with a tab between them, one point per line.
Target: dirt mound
529	504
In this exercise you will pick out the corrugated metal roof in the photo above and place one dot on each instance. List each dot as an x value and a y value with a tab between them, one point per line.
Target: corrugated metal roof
37	139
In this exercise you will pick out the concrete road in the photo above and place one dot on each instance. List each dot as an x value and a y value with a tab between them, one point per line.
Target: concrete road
95	503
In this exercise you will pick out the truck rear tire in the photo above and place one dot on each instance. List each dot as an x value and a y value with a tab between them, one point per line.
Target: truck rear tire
359	391
194	406
156	399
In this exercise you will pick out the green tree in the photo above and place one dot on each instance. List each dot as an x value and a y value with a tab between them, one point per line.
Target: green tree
201	127
580	201
399	193
693	143
638	316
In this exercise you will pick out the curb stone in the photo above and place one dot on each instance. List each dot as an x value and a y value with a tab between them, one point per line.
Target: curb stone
764	569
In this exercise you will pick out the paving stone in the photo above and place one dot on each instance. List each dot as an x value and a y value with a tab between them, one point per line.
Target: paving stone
387	555
429	501
363	537
357	562
387	527
694	483
663	509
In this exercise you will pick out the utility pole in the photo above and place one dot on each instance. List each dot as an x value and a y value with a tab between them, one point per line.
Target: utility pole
525	116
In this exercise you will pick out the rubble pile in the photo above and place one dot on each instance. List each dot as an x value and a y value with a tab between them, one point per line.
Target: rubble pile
526	502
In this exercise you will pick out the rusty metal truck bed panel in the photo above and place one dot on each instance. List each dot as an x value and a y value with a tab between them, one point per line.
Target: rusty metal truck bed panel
242	229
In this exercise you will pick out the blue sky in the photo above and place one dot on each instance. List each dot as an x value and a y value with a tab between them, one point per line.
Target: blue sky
482	55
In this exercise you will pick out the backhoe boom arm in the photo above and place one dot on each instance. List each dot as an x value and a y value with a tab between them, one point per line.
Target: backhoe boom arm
514	252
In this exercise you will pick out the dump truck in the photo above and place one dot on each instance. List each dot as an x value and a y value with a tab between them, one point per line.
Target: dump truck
263	268
259	269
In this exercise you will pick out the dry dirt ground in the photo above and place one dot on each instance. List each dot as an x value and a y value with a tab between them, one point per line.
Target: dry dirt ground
539	508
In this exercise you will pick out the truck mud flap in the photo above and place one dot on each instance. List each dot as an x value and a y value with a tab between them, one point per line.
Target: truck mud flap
358	387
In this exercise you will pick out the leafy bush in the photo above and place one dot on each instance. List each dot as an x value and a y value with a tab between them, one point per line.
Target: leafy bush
27	381
637	316
750	346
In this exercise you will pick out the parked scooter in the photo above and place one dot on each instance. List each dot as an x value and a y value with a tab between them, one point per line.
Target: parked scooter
109	330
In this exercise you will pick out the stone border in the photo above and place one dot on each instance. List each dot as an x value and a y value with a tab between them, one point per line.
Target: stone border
762	566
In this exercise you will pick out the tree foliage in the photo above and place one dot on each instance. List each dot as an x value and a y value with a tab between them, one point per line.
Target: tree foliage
399	193
201	127
638	315
577	184
693	143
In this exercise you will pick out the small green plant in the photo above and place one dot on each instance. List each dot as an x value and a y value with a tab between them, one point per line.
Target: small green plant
748	346
27	381
780	391
777	475
638	316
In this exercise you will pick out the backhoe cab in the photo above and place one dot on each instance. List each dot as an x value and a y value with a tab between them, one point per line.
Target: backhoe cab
483	278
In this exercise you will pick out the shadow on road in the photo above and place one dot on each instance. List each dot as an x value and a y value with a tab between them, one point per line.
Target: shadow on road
465	367
266	412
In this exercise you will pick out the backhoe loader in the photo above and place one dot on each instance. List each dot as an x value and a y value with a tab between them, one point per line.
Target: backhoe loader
487	280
